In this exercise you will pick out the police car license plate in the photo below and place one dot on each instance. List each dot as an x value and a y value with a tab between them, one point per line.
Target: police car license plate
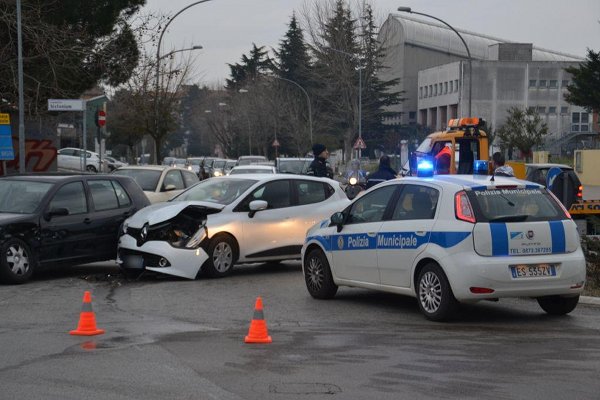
533	270
134	262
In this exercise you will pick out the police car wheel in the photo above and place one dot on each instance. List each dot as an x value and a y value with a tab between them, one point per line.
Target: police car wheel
557	305
434	294
222	255
317	276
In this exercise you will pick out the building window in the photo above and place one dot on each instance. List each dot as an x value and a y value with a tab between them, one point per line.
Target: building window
541	110
585	118
580	122
451	90
531	109
542	83
585	128
421	92
430	90
412	115
574	128
445	87
553	84
456	85
564	84
532	83
551	110
564	110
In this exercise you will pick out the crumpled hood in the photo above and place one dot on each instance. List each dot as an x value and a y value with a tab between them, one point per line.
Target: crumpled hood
160	212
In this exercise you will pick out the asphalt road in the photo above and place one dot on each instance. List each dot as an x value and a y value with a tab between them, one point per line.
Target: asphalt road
174	339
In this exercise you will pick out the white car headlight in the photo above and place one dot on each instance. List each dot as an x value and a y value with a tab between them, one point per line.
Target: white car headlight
218	173
197	238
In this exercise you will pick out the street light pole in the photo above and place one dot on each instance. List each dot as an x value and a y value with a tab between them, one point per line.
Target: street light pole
359	92
157	73
310	124
409	10
21	88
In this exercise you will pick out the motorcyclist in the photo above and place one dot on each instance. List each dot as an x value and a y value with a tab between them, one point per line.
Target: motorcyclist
355	171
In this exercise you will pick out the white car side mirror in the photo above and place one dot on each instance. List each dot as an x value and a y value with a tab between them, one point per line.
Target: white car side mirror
257	205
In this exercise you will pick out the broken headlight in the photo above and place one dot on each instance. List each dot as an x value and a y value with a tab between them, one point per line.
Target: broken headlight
197	238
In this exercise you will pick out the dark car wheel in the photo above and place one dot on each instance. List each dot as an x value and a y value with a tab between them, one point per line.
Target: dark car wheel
91	168
17	262
222	255
434	294
557	305
317	276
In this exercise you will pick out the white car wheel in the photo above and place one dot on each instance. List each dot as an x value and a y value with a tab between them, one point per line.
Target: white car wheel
222	254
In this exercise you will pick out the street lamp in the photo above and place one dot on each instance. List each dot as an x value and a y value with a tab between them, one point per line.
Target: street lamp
359	92
410	11
310	124
180	50
158	58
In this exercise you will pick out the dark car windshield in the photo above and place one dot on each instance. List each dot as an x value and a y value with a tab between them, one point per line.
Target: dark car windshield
146	178
293	166
515	205
217	190
21	197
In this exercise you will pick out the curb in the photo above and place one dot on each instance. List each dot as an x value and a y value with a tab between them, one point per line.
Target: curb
589	300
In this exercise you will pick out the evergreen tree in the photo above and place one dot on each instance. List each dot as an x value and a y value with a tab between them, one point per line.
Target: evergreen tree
584	91
252	65
293	60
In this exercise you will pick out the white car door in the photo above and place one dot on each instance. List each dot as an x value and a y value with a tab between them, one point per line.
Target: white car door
406	234
354	248
271	232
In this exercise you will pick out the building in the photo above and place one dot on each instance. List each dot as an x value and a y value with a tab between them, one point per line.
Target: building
431	62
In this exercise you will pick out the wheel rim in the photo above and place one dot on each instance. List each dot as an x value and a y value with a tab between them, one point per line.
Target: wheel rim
430	292
17	259
90	168
222	257
315	275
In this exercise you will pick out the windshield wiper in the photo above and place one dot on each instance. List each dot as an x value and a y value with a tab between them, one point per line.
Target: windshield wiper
510	218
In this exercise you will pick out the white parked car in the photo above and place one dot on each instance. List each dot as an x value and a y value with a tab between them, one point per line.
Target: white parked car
72	159
252	169
450	239
225	220
113	163
160	182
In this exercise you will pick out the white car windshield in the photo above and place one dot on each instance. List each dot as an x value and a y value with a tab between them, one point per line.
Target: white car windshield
221	191
21	197
146	178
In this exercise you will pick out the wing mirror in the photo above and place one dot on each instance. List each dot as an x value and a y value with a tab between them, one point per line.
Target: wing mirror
55	212
170	187
257	205
337	219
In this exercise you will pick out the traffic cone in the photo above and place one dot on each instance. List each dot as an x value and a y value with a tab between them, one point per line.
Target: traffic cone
258	327
87	319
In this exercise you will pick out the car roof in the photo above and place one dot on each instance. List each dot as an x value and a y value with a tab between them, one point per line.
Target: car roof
274	177
53	177
254	166
151	167
473	182
548	165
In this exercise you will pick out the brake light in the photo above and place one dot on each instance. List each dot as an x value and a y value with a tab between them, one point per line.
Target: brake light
462	207
580	192
480	290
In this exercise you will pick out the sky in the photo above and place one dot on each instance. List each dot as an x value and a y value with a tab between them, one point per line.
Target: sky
227	28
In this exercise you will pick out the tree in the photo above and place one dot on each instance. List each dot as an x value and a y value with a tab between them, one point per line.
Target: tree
584	90
523	130
69	46
252	65
292	58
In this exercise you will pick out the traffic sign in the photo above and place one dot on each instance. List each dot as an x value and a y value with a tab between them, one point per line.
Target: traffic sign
100	118
551	176
7	151
65	105
275	143
360	144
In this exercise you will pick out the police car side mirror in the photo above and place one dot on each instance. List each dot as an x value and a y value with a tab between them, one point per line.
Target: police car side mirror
337	219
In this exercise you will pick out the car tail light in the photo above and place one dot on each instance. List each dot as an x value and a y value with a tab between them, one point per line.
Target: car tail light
580	192
481	290
462	207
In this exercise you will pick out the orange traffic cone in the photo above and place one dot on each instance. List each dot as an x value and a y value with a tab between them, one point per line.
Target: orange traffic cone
258	327
87	319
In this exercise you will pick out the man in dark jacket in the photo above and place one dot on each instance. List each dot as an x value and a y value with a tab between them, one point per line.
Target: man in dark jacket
384	173
318	167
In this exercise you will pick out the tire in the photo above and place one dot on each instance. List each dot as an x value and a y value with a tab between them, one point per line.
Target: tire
558	305
17	262
222	255
434	294
317	276
91	168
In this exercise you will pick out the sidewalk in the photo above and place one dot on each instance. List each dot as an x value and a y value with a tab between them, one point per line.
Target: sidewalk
589	300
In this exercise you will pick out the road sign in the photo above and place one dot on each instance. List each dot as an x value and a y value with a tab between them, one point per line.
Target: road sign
359	144
100	118
551	175
7	151
66	105
275	143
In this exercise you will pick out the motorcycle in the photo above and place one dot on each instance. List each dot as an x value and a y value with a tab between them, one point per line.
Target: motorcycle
355	183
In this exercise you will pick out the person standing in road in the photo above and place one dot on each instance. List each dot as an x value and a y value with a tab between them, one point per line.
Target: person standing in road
384	173
500	169
318	167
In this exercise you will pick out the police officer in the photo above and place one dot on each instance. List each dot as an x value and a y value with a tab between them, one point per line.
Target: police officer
318	167
384	173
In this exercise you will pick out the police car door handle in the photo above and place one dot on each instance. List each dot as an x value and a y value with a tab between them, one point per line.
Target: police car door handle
372	234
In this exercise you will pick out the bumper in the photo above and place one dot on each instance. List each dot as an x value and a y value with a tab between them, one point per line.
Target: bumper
466	270
184	263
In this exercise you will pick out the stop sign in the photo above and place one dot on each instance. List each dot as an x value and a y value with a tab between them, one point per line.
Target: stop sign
100	118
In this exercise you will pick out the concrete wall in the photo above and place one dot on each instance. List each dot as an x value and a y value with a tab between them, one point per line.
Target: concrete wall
587	165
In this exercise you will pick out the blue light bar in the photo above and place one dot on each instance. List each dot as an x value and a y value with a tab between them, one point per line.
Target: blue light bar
480	167
425	168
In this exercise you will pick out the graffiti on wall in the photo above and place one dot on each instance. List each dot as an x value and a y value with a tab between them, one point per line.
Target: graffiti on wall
40	156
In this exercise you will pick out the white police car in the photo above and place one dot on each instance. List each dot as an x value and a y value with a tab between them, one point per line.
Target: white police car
450	239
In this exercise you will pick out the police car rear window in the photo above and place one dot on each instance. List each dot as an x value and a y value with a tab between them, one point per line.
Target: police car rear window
514	205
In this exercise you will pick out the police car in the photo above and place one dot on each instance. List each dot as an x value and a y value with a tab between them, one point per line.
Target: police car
450	239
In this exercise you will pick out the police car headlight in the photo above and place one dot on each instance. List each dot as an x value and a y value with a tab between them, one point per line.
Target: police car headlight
353	181
197	238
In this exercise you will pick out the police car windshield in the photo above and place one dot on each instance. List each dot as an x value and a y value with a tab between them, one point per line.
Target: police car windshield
514	205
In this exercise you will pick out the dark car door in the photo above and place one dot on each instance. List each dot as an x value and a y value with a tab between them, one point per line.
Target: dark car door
111	205
67	238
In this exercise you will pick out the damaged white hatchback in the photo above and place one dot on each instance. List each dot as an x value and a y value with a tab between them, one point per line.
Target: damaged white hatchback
227	220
